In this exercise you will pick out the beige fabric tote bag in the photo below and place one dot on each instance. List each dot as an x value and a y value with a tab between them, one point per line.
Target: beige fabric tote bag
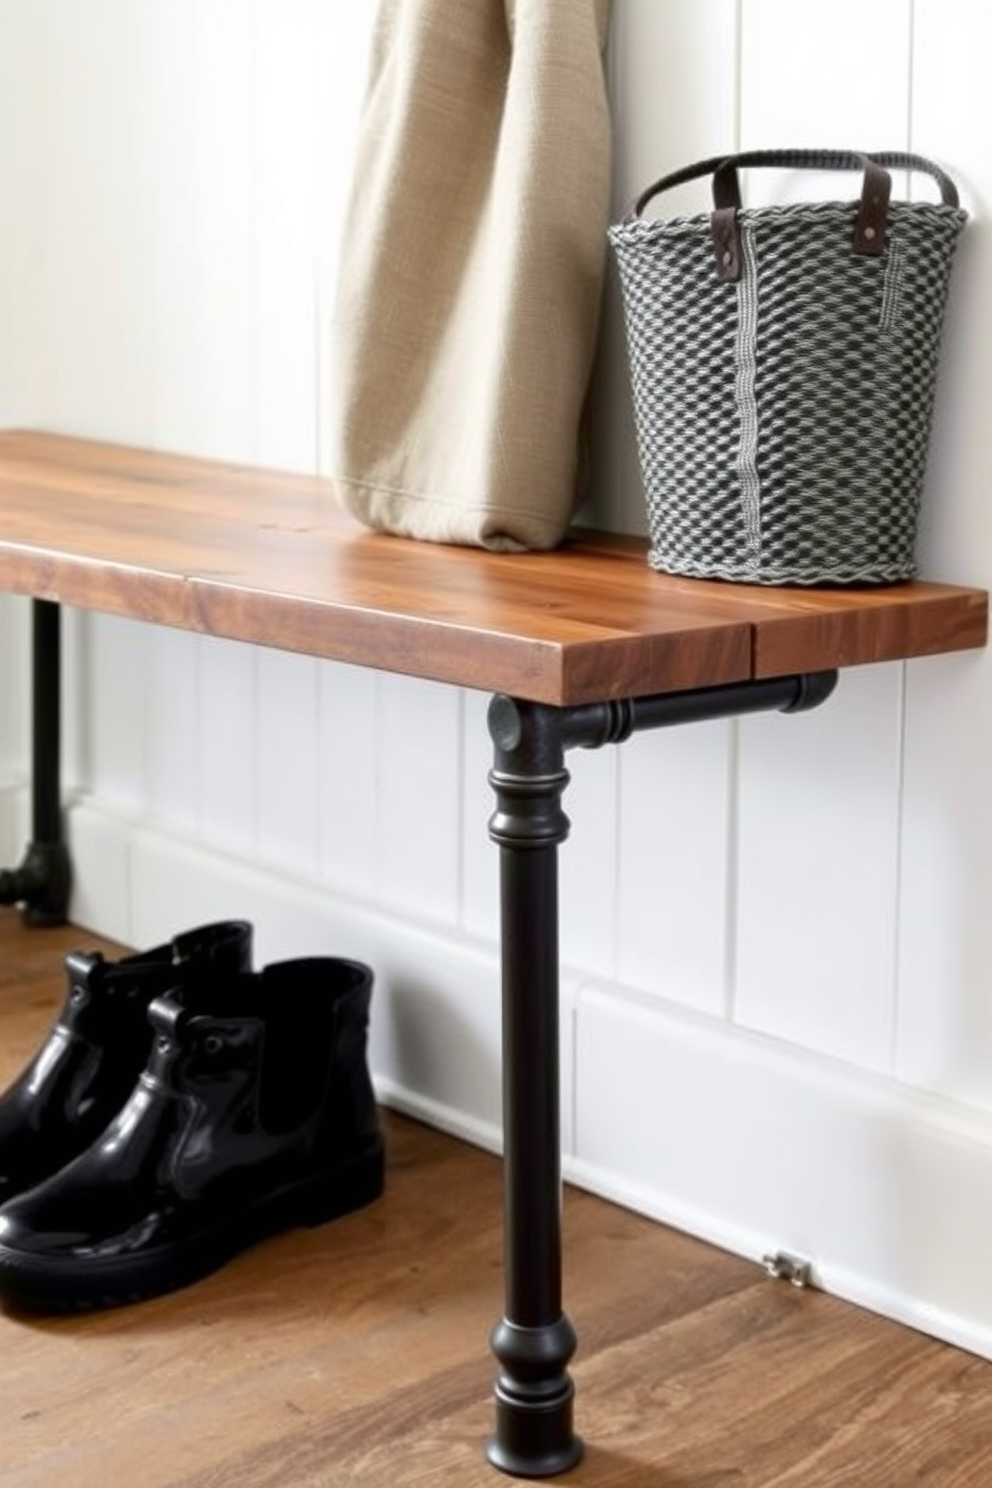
468	295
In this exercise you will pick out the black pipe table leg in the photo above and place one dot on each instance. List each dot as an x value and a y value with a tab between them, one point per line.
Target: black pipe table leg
534	1341
41	883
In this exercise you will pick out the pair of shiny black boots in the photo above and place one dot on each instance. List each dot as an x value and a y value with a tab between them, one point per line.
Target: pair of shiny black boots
182	1107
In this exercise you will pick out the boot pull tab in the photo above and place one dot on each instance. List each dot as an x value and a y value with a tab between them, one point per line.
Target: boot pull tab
84	971
168	1019
223	945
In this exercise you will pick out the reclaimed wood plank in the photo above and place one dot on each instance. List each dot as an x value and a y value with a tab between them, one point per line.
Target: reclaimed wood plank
270	558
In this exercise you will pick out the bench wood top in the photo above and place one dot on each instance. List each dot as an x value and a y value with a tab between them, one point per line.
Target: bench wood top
270	558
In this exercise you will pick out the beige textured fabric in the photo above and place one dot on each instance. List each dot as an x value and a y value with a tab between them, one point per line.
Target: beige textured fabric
468	296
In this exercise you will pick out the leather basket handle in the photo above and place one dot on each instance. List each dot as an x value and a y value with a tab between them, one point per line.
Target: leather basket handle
873	209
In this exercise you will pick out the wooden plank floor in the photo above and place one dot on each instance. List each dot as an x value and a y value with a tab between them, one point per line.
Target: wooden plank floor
356	1354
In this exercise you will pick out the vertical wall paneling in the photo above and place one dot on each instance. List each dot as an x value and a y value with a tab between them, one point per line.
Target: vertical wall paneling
674	92
672	78
213	363
99	221
342	46
952	113
172	699
340	41
287	68
348	780
945	1028
672	73
420	775
817	870
14	739
588	861
226	747
115	722
287	741
165	71
836	76
310	65
672	892
479	908
817	864
945	1020
22	143
832	75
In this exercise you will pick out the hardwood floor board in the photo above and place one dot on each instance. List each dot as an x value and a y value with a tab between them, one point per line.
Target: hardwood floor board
354	1355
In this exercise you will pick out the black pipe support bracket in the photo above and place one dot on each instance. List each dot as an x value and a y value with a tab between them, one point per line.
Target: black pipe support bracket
534	1342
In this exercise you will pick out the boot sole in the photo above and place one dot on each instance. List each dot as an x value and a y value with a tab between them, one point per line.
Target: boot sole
46	1284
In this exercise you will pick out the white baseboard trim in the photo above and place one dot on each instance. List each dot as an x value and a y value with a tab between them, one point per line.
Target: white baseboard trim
748	1143
757	1146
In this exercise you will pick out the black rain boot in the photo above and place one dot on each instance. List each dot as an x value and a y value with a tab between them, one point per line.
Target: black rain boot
250	1120
86	1068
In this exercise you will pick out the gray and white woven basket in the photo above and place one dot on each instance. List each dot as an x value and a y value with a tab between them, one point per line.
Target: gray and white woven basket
783	363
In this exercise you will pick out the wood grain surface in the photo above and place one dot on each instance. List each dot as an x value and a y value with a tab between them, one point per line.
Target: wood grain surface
270	558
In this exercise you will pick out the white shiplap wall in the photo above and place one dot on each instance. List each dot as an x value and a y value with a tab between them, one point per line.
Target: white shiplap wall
776	1026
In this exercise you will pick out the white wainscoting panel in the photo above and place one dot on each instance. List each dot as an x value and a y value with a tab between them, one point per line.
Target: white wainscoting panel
227	743
817	870
419	760
587	862
945	936
171	714
11	844
287	740
480	856
116	720
676	855
348	777
14	684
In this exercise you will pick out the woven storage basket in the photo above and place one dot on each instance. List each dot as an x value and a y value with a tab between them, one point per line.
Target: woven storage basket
783	362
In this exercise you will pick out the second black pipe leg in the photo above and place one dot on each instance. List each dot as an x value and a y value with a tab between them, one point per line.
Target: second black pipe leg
41	883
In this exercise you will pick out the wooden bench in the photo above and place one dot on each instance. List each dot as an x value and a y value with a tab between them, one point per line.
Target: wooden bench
580	647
